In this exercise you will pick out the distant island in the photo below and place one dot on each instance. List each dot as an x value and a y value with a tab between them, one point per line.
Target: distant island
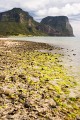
19	22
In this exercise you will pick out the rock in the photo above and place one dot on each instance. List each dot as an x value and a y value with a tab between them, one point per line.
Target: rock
78	118
51	102
13	112
57	26
2	77
27	104
74	54
12	79
15	15
22	76
19	22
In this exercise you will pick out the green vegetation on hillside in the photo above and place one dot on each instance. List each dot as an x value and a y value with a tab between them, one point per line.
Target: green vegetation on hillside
17	21
13	28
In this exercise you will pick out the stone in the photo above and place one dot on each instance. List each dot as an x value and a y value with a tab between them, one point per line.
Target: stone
27	104
57	26
19	22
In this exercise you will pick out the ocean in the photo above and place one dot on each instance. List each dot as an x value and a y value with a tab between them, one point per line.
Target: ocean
71	42
70	48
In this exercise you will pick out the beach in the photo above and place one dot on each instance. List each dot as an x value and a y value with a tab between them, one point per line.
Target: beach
38	81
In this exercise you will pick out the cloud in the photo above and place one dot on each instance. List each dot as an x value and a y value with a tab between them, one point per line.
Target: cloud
42	8
71	9
68	10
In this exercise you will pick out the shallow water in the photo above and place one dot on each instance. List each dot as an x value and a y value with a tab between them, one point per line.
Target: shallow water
70	45
70	48
70	42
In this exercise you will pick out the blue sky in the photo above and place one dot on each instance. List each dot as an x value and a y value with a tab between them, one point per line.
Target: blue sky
42	8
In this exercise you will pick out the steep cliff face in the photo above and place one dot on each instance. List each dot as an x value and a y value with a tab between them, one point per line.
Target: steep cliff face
14	15
17	21
60	24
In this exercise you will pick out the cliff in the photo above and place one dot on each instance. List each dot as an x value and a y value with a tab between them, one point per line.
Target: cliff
58	26
17	21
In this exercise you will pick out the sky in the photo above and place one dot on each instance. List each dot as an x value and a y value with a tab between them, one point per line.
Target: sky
42	8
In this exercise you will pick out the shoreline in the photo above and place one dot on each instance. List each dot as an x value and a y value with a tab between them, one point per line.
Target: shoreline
34	84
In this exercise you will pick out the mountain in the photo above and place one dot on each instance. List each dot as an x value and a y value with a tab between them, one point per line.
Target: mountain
58	25
17	21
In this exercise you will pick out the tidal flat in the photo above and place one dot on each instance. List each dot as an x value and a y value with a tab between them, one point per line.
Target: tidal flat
35	84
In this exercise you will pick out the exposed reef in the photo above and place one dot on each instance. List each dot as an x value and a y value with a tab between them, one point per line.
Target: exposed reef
34	85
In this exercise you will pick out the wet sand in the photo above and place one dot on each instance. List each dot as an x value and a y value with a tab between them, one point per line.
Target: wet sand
37	82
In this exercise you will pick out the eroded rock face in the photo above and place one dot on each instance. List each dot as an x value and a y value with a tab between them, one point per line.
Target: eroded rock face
17	21
14	15
48	30
60	24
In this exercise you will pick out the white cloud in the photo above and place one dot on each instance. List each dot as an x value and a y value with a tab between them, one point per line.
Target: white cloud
68	9
44	7
71	9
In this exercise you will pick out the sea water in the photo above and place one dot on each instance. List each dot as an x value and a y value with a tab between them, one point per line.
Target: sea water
70	45
72	42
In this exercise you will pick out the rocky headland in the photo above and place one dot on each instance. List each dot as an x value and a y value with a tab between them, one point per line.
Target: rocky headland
57	26
19	22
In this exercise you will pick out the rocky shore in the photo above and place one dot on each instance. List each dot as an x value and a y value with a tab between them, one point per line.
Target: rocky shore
34	85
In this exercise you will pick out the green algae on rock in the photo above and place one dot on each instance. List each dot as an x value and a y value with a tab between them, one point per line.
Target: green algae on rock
35	85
